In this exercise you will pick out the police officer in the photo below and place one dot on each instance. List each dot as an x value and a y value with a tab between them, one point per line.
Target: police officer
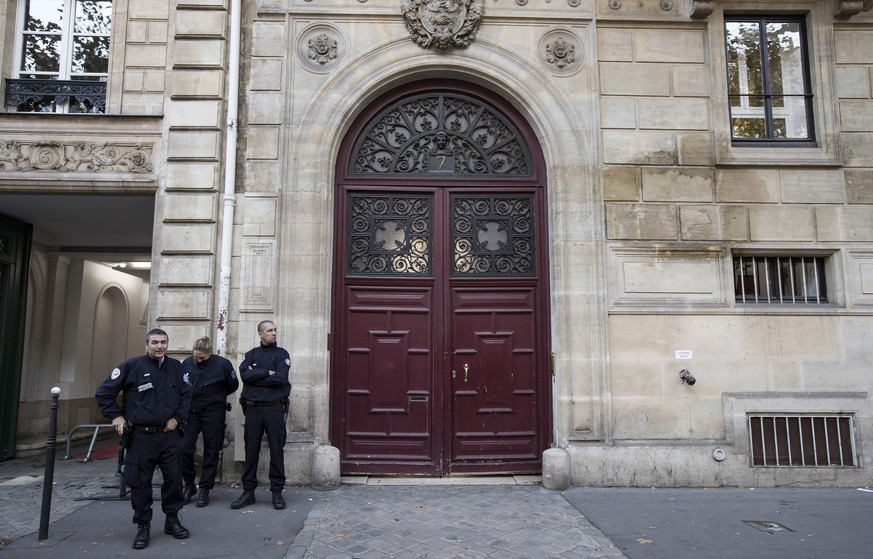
156	400
213	378
266	387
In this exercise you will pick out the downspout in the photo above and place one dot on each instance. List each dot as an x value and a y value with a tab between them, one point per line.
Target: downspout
229	198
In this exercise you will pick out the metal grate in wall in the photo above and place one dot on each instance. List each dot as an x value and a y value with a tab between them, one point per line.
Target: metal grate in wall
802	440
780	279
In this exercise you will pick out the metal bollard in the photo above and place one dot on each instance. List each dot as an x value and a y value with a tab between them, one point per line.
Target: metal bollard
48	478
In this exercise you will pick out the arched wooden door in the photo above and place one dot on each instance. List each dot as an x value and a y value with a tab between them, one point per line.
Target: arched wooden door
440	347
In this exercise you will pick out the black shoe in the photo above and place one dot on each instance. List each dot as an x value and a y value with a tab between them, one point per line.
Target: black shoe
142	535
278	500
174	528
247	498
188	492
203	498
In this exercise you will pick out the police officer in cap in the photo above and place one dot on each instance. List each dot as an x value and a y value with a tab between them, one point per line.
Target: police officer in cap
213	378
156	400
266	387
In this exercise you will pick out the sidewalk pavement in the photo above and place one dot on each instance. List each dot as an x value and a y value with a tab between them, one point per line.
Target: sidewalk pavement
470	518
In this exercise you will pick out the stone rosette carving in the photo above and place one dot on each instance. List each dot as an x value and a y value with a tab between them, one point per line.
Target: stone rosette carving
75	157
322	48
561	51
442	24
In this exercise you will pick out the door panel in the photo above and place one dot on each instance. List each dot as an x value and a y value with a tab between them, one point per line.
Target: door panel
388	374
441	261
494	379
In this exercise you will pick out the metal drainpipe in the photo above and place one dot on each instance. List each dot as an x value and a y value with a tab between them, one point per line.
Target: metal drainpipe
229	198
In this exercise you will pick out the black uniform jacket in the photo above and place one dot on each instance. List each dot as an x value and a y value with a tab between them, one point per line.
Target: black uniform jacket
258	384
153	392
212	381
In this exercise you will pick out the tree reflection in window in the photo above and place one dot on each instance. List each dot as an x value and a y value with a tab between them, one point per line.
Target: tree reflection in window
66	41
768	81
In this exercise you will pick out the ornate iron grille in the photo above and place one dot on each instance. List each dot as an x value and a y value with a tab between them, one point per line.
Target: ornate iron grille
493	236
389	235
88	96
442	134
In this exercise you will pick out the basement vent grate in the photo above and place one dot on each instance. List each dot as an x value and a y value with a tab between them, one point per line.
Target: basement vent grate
791	440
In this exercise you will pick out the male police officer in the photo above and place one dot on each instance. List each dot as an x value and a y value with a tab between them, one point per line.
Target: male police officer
266	387
213	378
156	400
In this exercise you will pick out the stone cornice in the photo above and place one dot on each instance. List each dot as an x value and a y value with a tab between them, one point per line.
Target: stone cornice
843	9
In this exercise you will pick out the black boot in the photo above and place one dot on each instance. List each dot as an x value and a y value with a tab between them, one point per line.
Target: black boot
188	492
247	498
203	498
174	528
278	500
142	535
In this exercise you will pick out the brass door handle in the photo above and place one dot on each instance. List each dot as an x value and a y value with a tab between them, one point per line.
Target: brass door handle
466	371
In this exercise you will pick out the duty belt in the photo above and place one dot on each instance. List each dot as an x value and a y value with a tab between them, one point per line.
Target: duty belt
149	428
251	404
210	407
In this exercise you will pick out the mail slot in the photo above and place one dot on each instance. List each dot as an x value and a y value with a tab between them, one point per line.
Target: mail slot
418	398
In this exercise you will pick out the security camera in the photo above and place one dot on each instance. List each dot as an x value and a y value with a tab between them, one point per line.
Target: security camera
687	377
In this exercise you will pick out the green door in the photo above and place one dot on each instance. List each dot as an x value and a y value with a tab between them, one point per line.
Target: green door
14	257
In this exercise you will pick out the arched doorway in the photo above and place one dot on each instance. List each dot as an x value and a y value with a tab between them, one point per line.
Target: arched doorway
440	349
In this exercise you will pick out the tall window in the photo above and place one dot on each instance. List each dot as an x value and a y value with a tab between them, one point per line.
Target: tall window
768	80
62	58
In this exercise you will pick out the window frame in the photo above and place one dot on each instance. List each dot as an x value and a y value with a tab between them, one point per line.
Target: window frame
825	150
67	79
767	96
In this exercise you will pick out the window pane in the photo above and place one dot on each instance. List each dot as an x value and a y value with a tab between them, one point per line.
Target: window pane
789	118
744	127
93	17
785	58
43	15
44	105
91	55
744	58
42	53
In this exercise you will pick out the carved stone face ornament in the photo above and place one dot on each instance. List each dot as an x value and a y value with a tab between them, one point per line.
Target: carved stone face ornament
442	24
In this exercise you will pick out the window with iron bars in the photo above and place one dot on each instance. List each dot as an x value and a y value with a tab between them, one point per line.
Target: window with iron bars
62	56
780	279
802	440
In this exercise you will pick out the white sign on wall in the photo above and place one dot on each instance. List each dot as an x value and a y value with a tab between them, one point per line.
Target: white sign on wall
683	354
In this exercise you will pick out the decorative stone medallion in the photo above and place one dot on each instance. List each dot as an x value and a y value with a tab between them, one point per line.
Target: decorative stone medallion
442	24
321	47
561	51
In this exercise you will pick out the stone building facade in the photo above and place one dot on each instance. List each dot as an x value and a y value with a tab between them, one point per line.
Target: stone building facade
625	227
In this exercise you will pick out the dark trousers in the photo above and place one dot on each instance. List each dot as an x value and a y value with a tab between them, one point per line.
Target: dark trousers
260	420
147	452
211	424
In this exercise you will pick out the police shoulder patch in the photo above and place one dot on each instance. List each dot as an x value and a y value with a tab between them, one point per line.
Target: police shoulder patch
185	378
288	362
116	372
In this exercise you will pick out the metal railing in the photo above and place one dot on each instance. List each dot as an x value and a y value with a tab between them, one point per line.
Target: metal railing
96	427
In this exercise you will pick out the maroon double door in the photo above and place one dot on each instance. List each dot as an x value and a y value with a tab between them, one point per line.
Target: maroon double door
440	342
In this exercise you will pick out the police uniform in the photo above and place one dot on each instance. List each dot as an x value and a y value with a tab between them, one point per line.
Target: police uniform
212	381
155	391
264	397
